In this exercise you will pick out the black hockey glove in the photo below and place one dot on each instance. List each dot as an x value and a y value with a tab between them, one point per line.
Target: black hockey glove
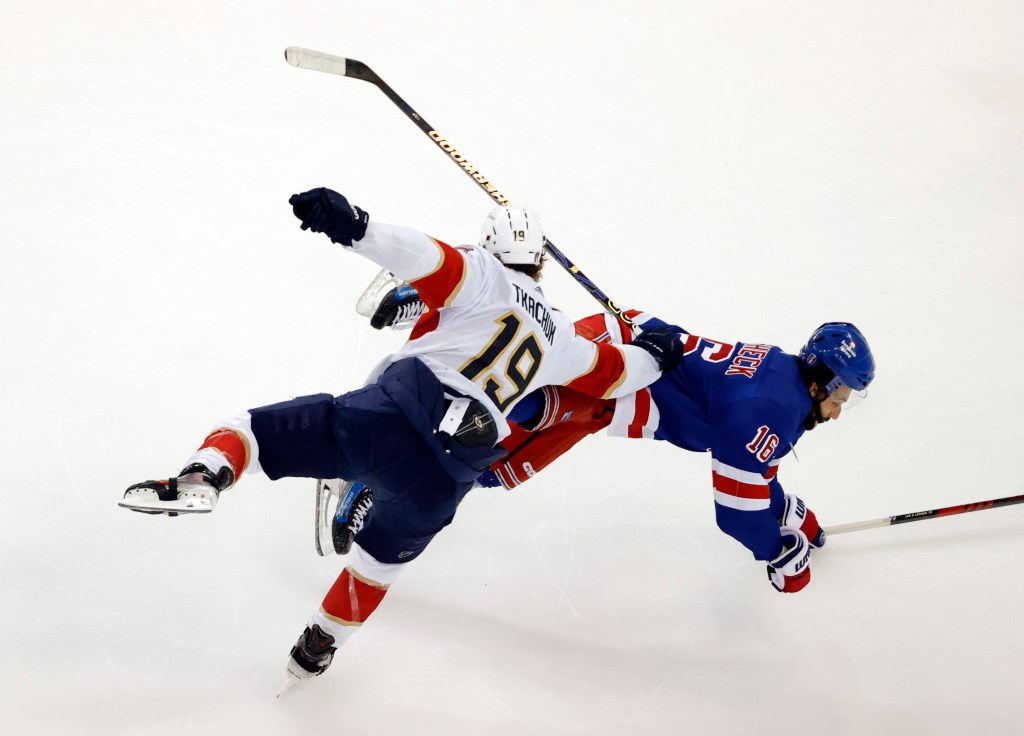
325	211
663	343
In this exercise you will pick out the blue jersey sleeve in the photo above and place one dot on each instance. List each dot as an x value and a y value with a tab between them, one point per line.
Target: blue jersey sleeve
778	499
748	498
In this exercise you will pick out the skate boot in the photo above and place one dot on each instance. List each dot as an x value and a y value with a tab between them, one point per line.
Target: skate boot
398	309
312	654
351	517
341	510
193	491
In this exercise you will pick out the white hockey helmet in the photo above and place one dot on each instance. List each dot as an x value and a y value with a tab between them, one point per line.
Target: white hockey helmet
513	235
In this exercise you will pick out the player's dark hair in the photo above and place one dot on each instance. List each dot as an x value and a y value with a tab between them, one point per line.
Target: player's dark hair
531	270
819	374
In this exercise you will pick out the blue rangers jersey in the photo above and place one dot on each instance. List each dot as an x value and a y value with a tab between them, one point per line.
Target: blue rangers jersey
744	403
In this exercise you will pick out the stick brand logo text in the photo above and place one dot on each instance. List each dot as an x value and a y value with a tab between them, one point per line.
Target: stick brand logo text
480	179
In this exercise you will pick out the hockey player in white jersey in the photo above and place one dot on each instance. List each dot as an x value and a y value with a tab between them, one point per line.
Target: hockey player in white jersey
428	422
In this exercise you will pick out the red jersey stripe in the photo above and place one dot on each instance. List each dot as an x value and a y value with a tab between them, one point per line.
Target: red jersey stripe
591	327
505	473
427	322
606	373
440	287
738	488
627	333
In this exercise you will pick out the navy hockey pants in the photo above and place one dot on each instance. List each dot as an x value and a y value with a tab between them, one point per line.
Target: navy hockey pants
382	435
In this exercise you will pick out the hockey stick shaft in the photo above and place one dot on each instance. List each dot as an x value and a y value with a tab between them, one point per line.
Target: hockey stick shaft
922	515
330	64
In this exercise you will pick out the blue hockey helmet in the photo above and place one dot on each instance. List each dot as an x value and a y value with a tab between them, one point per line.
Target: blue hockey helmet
841	348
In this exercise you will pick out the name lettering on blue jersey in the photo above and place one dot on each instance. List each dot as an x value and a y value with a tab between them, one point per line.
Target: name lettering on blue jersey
747	360
538	311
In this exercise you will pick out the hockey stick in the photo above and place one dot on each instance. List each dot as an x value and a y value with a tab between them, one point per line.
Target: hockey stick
321	62
922	515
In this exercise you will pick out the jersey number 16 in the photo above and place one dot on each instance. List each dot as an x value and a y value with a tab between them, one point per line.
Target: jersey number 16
763	445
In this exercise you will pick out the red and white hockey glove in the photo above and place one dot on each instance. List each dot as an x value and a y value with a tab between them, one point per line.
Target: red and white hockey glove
791	570
798	516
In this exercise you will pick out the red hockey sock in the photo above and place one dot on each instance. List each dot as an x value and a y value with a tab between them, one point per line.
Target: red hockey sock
352	598
232	445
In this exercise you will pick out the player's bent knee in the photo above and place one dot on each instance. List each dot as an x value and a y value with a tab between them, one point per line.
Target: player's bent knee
296	438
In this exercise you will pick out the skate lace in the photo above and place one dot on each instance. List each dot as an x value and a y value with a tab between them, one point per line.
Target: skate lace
359	514
408	313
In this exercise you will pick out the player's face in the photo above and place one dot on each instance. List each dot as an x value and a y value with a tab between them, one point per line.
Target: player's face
828	407
832	405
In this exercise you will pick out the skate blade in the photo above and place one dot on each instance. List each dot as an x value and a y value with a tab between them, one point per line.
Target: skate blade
322	523
170	508
290	681
287	685
330	495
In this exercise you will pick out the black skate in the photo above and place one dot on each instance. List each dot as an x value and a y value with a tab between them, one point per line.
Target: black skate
399	309
312	654
351	517
194	491
341	511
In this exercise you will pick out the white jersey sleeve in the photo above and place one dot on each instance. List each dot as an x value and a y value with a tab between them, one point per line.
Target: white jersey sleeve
490	333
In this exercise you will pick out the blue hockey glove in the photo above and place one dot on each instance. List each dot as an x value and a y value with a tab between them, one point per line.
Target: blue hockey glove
325	211
791	570
663	343
798	516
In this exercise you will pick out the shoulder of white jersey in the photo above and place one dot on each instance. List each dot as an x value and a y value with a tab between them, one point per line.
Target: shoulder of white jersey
483	254
483	272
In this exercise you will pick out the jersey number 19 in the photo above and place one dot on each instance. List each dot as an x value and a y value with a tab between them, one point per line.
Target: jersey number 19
519	367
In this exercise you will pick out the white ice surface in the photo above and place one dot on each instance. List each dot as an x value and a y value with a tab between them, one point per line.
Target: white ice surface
747	169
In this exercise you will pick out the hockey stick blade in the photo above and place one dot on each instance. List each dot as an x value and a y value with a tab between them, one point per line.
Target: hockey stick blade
318	61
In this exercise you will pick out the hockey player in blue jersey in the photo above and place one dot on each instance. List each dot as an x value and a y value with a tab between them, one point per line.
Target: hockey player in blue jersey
746	403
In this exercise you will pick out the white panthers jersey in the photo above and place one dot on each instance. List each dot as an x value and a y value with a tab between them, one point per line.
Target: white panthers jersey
489	333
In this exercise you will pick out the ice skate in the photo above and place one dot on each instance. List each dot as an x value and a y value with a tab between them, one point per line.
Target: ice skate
310	657
194	491
341	509
351	517
398	309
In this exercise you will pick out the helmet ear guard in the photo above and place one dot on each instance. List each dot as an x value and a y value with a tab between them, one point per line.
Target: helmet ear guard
843	349
513	235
